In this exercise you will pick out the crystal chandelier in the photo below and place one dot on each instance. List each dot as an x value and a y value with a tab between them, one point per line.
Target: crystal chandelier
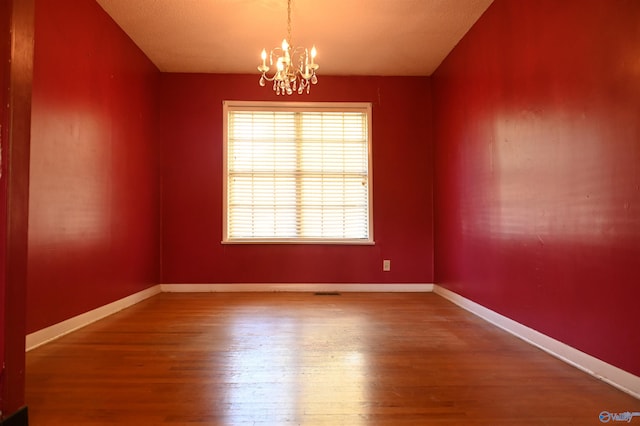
295	66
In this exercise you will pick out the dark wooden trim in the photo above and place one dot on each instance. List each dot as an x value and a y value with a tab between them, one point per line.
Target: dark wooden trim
15	118
19	418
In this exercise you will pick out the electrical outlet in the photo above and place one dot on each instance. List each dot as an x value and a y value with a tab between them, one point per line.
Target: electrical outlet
386	265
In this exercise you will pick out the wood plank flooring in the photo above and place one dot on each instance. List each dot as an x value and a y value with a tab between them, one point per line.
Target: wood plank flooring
301	359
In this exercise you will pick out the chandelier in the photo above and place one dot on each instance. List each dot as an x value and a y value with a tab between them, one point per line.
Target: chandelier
295	66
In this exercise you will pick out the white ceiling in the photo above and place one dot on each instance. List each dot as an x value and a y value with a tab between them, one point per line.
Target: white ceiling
353	37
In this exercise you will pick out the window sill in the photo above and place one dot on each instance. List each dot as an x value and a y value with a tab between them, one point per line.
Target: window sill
342	242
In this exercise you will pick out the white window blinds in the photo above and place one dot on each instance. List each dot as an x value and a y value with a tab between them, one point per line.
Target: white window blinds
297	172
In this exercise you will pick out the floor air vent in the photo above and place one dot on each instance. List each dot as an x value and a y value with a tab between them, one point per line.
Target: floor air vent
326	293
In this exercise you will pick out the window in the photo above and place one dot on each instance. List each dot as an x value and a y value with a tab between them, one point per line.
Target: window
297	172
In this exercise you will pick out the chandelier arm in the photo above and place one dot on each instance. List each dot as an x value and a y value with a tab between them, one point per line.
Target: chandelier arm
275	52
267	78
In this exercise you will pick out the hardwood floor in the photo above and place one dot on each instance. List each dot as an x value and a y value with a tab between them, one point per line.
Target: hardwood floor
302	359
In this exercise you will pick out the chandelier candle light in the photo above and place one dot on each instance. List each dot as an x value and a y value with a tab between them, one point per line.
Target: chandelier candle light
295	66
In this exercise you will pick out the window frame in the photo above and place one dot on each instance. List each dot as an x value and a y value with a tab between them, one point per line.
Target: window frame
364	107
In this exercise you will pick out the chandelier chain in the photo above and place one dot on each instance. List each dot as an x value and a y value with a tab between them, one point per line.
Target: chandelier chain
289	22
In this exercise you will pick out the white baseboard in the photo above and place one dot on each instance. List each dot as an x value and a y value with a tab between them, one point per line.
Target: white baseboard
296	287
50	333
614	376
45	335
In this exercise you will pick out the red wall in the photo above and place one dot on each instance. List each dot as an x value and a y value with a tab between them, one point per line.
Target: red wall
537	123
191	134
94	202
